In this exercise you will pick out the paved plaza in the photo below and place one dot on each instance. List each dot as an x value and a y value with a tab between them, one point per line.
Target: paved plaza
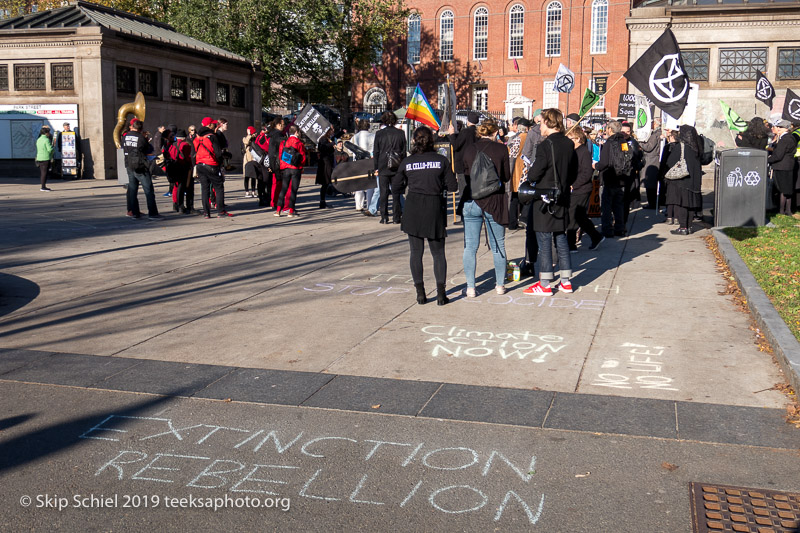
273	357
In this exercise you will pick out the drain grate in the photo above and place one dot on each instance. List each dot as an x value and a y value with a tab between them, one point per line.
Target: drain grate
746	510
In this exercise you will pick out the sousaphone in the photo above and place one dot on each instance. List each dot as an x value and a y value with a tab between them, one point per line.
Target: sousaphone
136	108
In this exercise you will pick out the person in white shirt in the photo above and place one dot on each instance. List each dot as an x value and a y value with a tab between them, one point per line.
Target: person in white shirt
364	139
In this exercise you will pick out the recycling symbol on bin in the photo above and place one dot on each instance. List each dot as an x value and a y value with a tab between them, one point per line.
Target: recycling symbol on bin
752	178
735	178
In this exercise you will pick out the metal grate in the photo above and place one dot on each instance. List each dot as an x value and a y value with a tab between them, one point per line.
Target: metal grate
741	64
126	79
742	509
29	78
61	77
177	87
197	90
223	93
696	64
3	77
148	82
237	96
789	63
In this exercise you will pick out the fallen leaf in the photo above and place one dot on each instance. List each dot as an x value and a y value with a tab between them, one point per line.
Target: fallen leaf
583	475
226	400
669	466
376	406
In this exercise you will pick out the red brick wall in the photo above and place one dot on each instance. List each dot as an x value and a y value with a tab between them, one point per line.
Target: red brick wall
394	74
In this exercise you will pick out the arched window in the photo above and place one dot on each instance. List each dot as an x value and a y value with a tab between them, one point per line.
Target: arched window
553	19
446	36
375	100
516	30
599	40
414	34
481	25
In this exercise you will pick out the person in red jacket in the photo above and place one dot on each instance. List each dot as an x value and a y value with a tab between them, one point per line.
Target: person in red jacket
292	156
208	158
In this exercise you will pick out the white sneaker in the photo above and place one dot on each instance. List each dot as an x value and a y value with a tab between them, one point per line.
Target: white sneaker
500	289
471	292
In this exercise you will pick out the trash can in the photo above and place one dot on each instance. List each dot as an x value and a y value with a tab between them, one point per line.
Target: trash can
740	188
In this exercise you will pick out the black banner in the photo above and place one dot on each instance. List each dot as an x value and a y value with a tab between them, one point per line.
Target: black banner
791	107
765	92
312	123
661	76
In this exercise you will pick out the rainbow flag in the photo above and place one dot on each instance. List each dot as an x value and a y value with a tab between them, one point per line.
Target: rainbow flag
420	110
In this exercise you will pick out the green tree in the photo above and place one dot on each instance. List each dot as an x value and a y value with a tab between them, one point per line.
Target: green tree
351	37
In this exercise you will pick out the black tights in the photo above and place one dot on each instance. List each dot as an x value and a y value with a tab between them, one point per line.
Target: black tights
786	205
417	246
249	183
683	216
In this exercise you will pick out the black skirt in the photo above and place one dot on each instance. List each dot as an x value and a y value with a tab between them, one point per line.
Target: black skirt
784	181
425	216
678	195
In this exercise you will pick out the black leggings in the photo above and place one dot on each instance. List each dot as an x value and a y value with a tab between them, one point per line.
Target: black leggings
683	216
417	246
250	183
43	167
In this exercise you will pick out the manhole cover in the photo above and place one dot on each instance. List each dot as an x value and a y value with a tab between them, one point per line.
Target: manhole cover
725	508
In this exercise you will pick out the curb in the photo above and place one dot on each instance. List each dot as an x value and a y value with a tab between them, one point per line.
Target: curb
783	342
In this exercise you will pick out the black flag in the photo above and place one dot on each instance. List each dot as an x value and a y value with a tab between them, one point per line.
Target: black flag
791	107
764	89
661	76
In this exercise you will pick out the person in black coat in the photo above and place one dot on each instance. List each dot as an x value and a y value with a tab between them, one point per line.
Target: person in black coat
581	194
428	174
555	168
324	165
465	137
782	161
389	147
684	194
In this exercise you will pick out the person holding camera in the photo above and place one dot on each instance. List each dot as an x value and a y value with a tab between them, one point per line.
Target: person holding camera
553	172
389	148
478	208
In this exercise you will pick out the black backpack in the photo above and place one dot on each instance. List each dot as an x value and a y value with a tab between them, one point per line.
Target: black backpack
483	178
291	156
708	150
622	160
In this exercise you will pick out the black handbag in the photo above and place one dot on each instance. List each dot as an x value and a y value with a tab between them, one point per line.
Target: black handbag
528	192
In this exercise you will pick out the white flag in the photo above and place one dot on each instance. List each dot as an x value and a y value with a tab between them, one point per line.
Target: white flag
643	118
565	80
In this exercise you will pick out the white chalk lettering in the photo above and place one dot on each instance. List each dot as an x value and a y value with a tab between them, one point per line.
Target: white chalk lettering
249	477
481	495
358	489
465	465
210	472
305	494
149	466
116	461
318	439
532	517
274	436
642	366
526	477
458	342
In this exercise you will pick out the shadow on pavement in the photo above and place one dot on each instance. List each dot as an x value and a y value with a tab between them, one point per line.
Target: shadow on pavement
16	293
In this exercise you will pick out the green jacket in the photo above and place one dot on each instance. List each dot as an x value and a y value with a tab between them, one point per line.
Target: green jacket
44	148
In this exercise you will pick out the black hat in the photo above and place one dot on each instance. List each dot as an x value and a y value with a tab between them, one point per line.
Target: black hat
574	116
524	122
180	133
172	127
473	117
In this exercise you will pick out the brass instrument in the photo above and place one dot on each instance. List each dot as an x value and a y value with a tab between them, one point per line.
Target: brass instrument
137	108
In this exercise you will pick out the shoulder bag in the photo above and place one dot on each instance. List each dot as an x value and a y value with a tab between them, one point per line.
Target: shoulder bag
679	170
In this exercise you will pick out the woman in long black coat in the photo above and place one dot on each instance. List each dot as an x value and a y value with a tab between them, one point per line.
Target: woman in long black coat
684	194
324	166
755	136
782	162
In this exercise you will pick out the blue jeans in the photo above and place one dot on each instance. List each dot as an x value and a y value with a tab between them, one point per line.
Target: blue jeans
134	179
545	241
612	206
474	218
373	203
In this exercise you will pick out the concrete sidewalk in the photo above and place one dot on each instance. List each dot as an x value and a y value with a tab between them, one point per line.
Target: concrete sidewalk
331	292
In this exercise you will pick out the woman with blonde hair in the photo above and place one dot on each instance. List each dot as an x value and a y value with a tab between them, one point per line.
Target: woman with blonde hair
491	210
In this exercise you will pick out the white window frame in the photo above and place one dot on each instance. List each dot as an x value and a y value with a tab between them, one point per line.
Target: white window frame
549	95
409	93
513	88
446	31
599	35
415	37
480	97
553	18
440	95
480	32
516	31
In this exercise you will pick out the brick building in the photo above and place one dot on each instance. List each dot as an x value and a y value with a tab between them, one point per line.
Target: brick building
503	56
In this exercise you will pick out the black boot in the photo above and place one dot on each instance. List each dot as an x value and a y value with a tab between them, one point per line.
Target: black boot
441	294
421	297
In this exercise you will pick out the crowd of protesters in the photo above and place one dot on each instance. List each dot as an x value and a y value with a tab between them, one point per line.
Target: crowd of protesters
549	153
